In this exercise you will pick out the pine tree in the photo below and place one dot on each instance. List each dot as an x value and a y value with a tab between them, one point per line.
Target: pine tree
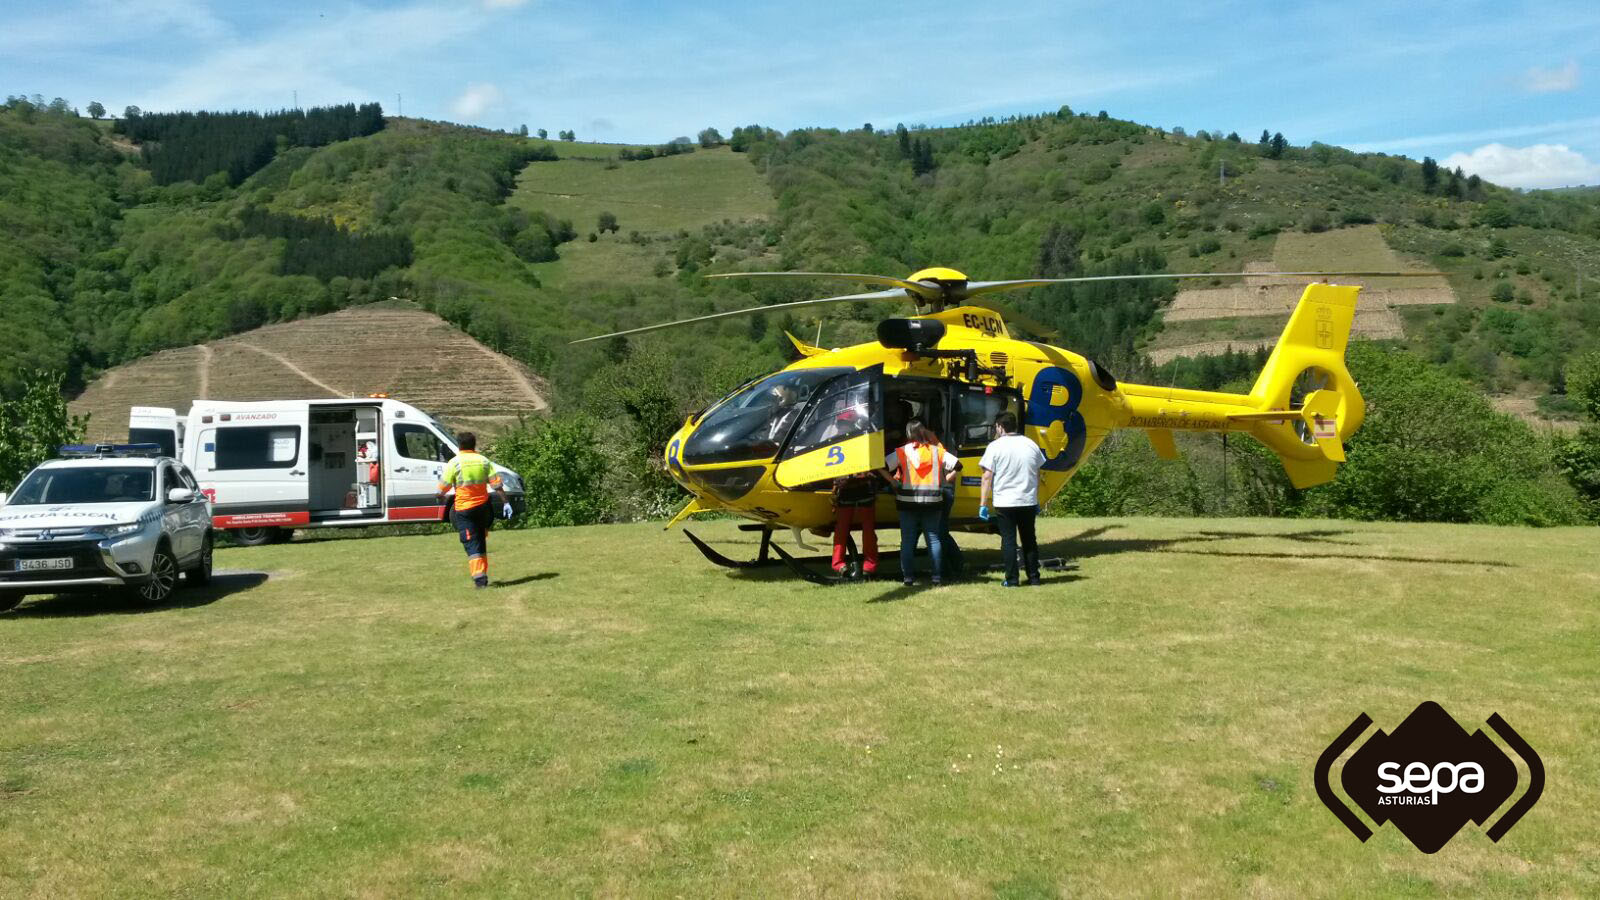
903	141
1430	174
921	156
1278	145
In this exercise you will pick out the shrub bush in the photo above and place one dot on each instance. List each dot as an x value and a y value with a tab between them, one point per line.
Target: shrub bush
562	470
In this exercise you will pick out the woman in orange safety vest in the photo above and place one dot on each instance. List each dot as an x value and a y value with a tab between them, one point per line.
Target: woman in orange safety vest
918	470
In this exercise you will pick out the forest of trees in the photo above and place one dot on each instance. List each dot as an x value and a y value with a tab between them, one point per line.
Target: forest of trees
192	146
321	249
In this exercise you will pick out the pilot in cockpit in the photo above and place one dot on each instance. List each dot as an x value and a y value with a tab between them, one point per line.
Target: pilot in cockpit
785	403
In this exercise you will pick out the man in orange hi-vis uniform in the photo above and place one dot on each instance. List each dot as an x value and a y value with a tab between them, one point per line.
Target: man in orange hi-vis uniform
473	477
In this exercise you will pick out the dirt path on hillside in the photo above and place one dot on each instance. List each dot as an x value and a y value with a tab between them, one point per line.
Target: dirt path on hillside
205	372
279	358
517	377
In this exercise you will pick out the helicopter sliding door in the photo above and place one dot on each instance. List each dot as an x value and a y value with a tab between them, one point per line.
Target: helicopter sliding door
840	433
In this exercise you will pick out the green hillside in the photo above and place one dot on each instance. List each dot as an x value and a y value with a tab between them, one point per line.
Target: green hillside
499	228
492	232
651	200
577	731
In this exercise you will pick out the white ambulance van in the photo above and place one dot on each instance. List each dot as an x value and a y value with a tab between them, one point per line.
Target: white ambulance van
271	466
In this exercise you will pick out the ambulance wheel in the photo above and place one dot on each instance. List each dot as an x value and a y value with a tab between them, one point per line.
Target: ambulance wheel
201	573
253	537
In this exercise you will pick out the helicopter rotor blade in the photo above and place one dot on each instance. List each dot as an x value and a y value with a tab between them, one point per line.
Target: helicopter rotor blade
978	288
891	294
923	290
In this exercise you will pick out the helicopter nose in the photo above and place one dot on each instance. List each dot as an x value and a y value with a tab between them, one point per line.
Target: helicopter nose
727	484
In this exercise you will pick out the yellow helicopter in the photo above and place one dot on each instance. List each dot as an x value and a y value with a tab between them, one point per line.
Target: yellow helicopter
770	450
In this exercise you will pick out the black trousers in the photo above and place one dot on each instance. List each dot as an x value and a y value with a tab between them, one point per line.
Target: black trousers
473	526
954	563
1012	521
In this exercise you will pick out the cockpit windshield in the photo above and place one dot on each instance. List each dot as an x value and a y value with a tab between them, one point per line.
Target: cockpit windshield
753	423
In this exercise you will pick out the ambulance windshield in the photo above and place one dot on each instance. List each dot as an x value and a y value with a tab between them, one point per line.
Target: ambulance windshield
753	423
442	429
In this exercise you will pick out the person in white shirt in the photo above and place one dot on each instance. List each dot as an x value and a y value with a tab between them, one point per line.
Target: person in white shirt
918	471
1011	467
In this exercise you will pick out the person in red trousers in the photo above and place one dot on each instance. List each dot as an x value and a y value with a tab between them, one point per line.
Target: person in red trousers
854	501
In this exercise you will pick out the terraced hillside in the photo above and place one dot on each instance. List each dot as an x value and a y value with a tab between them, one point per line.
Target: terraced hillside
407	353
1252	313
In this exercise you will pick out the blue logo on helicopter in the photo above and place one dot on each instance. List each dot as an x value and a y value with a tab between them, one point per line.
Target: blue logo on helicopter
672	458
1044	412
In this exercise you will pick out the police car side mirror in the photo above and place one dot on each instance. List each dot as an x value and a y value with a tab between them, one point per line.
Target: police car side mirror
180	495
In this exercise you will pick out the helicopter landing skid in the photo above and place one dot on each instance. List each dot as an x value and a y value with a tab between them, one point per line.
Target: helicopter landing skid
799	567
761	561
1053	563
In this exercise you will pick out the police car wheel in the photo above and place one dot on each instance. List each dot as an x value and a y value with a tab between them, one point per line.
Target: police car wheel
201	573
163	578
253	537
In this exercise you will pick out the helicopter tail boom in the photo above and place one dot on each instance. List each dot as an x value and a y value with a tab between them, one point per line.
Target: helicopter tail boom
1303	406
1306	373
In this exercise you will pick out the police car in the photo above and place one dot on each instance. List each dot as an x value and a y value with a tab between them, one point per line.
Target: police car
104	516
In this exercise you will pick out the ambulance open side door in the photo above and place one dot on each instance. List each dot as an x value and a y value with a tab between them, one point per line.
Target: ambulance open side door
840	433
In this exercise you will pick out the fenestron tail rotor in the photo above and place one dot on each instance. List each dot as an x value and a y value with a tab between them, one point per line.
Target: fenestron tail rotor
1305	384
934	289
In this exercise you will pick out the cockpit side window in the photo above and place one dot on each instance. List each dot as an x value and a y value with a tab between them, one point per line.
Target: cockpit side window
842	410
753	423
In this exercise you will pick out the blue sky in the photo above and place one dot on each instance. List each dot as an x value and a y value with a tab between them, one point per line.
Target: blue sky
1509	90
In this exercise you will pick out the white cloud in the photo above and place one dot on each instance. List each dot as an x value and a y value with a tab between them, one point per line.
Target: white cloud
1549	81
319	60
477	99
1471	137
1538	166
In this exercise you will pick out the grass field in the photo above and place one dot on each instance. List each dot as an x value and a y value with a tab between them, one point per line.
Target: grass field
656	197
1359	248
617	717
1207	318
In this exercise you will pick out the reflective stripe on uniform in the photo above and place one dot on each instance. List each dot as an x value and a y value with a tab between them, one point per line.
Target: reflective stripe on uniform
921	479
472	476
